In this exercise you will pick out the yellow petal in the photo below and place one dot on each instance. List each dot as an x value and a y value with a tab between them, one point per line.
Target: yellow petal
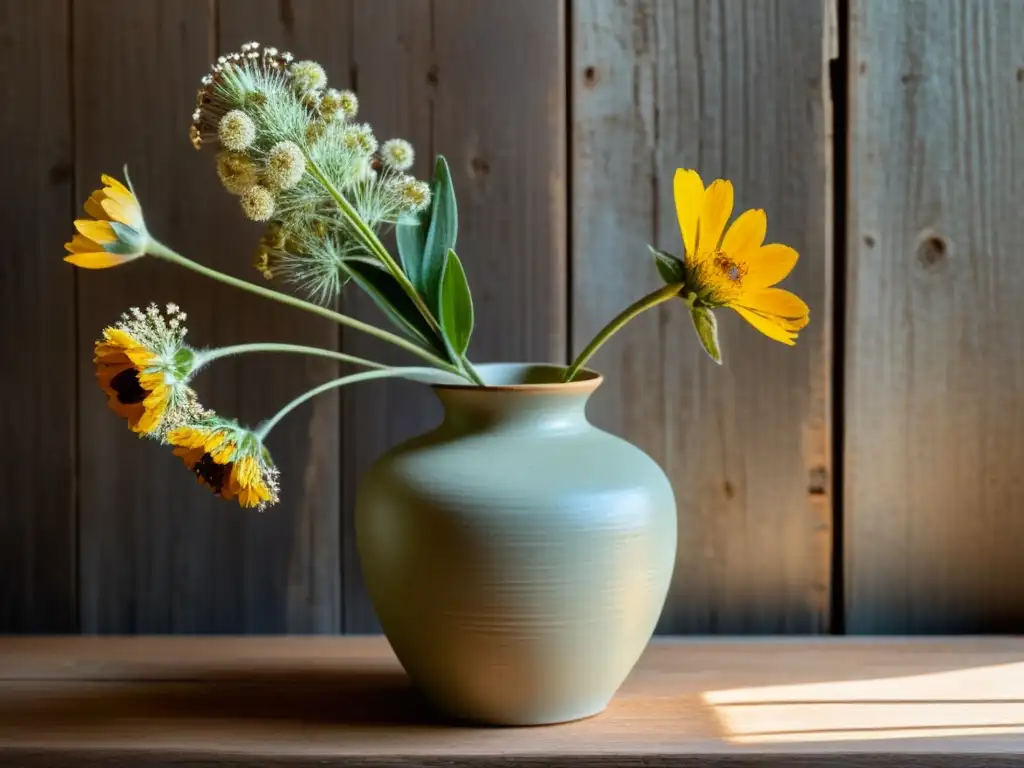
769	265
688	190
110	181
792	325
100	260
82	244
100	232
769	328
119	213
715	211
775	301
745	235
94	205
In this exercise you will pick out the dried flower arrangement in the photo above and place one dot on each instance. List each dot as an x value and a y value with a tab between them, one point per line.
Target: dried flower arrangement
291	150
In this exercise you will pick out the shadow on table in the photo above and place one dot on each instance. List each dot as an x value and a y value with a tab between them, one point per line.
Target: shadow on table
353	697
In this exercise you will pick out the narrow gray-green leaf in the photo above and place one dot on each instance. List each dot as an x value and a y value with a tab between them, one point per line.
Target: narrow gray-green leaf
707	331
669	267
456	305
388	295
441	234
411	235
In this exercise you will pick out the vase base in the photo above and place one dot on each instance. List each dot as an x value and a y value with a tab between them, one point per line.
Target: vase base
520	719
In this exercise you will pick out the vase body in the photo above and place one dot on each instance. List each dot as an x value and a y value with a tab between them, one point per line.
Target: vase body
517	557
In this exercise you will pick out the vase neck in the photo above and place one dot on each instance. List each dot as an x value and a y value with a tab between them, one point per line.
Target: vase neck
481	409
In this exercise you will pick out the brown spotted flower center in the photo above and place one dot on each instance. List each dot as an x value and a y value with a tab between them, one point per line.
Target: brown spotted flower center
213	474
126	385
728	268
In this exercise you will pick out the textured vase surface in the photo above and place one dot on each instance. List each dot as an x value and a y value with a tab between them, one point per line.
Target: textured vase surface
517	557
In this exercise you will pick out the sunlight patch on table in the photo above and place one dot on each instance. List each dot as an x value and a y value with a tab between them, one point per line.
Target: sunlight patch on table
977	701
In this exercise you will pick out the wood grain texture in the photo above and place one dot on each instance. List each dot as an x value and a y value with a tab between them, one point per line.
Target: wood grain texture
481	82
735	90
346	701
934	371
37	313
159	553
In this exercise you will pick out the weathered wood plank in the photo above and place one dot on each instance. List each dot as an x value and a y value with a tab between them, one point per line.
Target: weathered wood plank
37	314
735	90
345	701
481	82
932	441
159	553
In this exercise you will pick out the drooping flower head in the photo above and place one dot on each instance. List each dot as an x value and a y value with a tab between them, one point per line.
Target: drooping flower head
143	366
115	234
732	267
228	459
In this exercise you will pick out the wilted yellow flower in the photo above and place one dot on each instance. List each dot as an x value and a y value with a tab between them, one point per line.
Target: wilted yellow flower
143	366
228	459
115	234
735	269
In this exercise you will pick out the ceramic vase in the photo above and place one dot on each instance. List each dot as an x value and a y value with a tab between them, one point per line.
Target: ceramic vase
517	557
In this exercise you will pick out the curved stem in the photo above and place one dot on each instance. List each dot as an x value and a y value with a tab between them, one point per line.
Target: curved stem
372	242
472	372
640	305
390	373
204	356
161	251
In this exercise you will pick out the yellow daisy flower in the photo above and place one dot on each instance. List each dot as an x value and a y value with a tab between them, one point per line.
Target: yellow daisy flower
115	234
734	268
143	367
228	459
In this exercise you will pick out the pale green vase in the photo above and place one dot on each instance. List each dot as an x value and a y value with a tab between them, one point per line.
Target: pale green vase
517	557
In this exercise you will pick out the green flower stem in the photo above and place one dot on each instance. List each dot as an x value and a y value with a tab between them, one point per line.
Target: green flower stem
389	373
372	242
161	251
640	305
205	356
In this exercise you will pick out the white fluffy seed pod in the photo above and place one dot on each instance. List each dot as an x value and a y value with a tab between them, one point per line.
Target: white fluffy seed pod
307	76
258	203
397	153
236	130
285	165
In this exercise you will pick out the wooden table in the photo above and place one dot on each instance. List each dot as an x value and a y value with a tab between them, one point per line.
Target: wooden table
345	701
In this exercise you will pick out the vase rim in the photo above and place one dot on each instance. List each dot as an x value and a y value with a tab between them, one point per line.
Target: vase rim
528	378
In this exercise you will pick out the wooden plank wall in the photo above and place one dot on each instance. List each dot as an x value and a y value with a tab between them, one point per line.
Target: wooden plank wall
935	370
563	122
37	326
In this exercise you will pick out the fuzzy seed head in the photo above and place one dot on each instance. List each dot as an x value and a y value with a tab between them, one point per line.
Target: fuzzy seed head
315	131
398	154
339	105
414	194
360	137
236	171
258	203
236	130
308	76
285	165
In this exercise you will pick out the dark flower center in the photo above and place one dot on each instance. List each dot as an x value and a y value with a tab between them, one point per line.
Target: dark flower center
126	385
729	268
212	473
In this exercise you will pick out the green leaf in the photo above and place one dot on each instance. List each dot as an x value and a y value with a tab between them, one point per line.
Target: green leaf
441	235
669	267
411	234
388	295
707	331
456	307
